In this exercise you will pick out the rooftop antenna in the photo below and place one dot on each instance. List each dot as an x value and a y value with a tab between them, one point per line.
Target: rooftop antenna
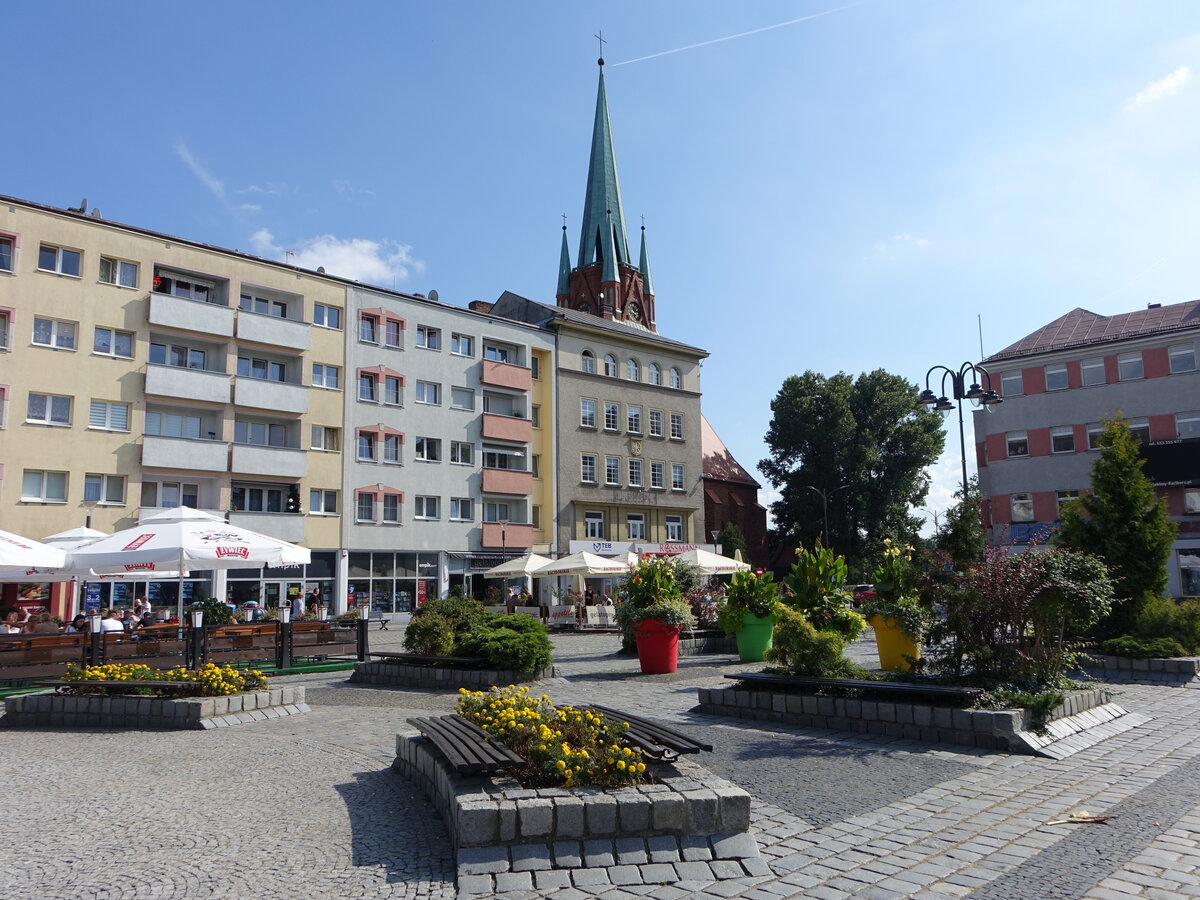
600	38
979	319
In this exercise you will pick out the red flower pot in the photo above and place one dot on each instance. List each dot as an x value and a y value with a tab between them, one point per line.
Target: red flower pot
657	646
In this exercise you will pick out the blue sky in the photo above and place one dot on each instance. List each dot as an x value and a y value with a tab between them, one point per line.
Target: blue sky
841	193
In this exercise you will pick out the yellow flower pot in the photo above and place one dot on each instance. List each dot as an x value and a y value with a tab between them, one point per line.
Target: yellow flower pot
894	644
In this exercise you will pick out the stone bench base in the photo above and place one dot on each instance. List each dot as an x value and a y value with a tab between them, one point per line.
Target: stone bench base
439	678
49	710
708	644
1125	670
509	838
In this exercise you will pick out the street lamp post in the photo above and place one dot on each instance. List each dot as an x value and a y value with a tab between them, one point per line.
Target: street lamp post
825	505
933	512
960	391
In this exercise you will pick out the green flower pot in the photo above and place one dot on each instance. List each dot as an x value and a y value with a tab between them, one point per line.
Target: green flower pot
754	637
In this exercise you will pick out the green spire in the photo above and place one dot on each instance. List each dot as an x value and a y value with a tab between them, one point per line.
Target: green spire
603	238
644	265
564	266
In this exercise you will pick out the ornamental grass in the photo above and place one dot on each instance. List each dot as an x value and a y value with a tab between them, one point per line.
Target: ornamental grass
561	745
210	679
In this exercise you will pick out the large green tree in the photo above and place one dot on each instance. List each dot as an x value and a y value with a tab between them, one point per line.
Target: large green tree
1123	522
866	443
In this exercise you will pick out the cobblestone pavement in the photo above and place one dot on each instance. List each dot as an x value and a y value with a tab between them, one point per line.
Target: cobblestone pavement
307	807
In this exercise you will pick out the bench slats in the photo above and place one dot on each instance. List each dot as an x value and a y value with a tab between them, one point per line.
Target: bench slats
656	740
891	687
466	746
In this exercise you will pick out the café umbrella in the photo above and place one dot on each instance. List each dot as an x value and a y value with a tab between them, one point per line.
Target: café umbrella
584	563
18	554
708	563
185	540
526	564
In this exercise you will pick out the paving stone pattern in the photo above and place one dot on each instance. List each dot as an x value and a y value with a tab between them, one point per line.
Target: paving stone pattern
307	806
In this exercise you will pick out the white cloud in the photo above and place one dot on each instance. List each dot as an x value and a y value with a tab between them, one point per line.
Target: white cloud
904	240
273	189
1163	88
210	181
356	194
372	262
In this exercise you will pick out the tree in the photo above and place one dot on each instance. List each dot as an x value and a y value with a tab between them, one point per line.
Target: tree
865	443
1123	522
962	537
731	539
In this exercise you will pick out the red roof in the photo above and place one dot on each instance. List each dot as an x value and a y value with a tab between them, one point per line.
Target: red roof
719	463
1081	328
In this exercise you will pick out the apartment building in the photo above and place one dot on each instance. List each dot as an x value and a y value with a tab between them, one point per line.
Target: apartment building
1035	451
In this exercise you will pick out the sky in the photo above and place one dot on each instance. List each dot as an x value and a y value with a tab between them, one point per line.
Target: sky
826	186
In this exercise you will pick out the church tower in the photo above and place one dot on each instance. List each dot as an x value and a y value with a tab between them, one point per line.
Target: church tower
605	282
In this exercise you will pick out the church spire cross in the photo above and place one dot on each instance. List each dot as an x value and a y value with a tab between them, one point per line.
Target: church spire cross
600	38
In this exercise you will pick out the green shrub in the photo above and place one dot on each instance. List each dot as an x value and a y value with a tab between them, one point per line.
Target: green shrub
1143	648
429	634
803	650
461	612
516	642
1166	618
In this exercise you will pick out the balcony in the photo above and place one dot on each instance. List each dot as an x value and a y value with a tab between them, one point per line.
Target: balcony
273	395
284	526
272	330
281	461
507	428
191	315
187	384
514	536
184	453
507	481
506	375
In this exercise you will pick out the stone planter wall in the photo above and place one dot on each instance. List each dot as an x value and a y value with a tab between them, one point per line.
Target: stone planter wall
705	643
401	674
1123	669
151	713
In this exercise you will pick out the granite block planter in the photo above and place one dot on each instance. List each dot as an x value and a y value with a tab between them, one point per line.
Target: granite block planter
448	678
49	710
1125	670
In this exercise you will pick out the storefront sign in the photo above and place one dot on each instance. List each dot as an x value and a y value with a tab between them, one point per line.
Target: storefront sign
615	548
91	598
421	582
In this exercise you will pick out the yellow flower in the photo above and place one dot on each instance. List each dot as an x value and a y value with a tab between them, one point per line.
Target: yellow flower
561	765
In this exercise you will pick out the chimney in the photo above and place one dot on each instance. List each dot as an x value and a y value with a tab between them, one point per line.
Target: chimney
1153	306
482	306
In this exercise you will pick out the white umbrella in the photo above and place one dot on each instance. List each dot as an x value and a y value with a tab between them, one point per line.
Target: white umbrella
709	563
584	563
18	553
514	568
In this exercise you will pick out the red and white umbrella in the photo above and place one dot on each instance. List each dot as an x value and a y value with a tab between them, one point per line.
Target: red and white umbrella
584	563
20	553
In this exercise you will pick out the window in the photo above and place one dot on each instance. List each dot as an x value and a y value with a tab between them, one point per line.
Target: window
1187	425
425	507
1094	430
264	306
1092	370
1064	497
461	509
536	518
393	333
502	458
429	449
1191	502
1056	377
612	416
264	498
633	419
366	387
6	254
428	392
1062	439
107	490
462	398
108	342
322	503
59	259
1022	507
1129	366
118	272
656	476
535	367
44	487
1012	384
497	354
5	336
496	512
391	390
53	333
261	434
170	494
368	329
656	423
635	473
535	416
587	362
366	446
1140	429
1018	443
325	438
610	365
462	453
676	380
587	468
593	525
635	526
263	369
677	477
391	449
655	374
326	376
1183	358
429	338
677	426
391	509
48	409
536	468
162	424
462	345
587	413
327	316
108	416
674	528
179	356
612	470
633	372
185	286
364	507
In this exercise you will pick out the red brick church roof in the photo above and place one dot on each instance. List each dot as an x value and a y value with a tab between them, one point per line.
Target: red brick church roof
719	463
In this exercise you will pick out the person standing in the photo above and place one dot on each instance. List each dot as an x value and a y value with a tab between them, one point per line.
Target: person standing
297	606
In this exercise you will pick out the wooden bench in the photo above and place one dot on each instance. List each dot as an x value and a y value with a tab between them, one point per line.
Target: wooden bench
905	688
468	748
655	740
112	687
418	659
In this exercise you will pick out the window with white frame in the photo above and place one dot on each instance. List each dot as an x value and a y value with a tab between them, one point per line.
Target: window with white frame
186	286
364	506
1056	377
535	517
535	367
391	509
1022	507
655	374
1017	443
170	494
1063	497
1129	366
107	416
429	338
635	526
1187	425
674	528
656	476
677	483
393	333
48	409
1012	384
326	438
327	316
587	468
462	345
497	457
1094	430
264	306
326	376
1183	358
262	369
462	453
612	416
1092	371
110	342
392	386
587	362
677	426
322	502
107	490
40	486
1062	439
462	509
119	272
655	423
498	353
54	333
587	413
178	355
368	329
4	391
1140	429
425	507
676	379
428	449
6	253
430	393
5	331
366	445
633	419
59	260
535	467
462	398
367	388
169	424
612	470
593	525
633	371
635	473
610	365
496	512
391	449
1191	501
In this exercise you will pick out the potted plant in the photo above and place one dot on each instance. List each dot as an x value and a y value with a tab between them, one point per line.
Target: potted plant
894	612
748	613
655	612
815	587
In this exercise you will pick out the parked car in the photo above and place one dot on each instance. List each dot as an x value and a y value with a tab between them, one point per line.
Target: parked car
863	592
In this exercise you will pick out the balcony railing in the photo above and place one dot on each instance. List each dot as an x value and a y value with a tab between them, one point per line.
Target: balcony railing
273	395
507	428
187	384
184	453
506	375
272	330
513	536
507	481
285	462
191	315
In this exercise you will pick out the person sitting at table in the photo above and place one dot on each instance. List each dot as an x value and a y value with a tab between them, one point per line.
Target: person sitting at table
112	622
78	625
11	624
129	621
45	625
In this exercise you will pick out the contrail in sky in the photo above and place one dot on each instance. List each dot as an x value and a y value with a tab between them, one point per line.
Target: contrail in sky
1153	265
732	36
